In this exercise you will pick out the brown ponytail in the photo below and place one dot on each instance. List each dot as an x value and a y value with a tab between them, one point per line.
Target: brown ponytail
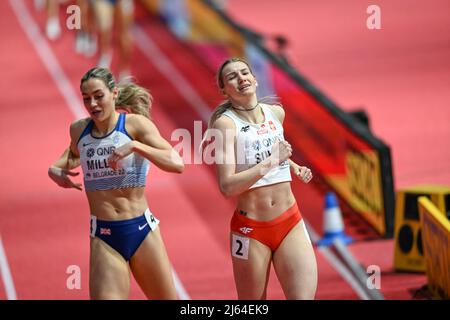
134	99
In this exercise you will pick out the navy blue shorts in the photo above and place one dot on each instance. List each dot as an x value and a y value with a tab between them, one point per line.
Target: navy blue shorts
124	236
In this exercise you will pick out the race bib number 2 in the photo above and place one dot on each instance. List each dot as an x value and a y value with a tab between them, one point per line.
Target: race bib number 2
240	246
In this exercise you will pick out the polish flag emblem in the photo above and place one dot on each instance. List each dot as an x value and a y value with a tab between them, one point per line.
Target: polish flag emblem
262	129
272	126
246	230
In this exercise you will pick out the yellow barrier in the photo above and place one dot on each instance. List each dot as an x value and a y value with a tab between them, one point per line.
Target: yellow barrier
408	251
436	240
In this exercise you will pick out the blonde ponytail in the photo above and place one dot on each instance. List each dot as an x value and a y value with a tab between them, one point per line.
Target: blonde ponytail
220	109
134	99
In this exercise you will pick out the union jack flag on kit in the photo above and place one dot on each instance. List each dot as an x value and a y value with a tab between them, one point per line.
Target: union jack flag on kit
106	231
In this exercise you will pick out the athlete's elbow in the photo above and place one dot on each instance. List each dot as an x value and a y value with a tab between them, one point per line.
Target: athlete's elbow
173	168
225	193
177	163
179	167
176	166
226	190
52	171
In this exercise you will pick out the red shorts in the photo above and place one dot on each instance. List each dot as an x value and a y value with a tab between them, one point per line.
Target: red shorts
271	233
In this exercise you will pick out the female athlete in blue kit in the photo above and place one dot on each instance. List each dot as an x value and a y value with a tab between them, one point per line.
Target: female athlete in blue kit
115	151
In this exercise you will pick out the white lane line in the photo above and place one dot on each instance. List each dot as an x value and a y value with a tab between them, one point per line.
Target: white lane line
44	51
338	265
343	271
358	271
182	293
6	274
62	82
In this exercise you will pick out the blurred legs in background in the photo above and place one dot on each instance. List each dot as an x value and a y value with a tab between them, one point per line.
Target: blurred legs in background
86	38
52	28
106	13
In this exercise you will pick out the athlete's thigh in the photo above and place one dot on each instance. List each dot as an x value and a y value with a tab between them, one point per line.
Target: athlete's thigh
295	264
152	269
124	14
109	276
104	14
251	266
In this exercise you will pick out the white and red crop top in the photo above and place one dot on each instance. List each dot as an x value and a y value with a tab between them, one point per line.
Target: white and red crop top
254	143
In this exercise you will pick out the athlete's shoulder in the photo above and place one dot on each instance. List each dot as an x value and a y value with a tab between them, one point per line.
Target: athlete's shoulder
78	126
136	119
277	110
76	129
223	122
138	123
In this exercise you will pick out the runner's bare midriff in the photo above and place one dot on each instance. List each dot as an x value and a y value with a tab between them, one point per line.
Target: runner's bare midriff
117	204
268	202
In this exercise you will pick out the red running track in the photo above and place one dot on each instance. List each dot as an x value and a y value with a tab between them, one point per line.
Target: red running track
44	228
